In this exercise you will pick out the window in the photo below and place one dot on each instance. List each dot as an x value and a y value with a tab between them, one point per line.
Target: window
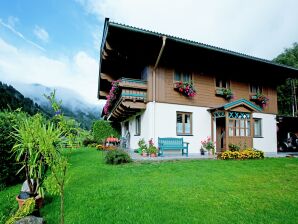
182	76
239	127
184	123
222	83
138	125
258	127
254	88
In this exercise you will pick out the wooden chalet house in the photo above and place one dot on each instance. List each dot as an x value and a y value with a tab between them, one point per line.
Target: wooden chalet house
145	76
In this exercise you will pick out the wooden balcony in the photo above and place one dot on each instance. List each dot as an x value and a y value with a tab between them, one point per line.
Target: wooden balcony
132	99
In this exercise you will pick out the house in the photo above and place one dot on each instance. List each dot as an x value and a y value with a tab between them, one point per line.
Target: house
140	71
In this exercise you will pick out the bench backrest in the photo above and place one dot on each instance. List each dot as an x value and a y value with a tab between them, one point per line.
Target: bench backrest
170	142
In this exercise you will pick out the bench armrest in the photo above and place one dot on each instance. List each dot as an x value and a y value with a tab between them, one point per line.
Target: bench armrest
186	143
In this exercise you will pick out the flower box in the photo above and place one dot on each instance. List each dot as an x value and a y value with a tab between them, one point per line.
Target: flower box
224	92
259	99
185	88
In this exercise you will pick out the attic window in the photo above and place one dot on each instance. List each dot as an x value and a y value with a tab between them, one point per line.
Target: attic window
182	76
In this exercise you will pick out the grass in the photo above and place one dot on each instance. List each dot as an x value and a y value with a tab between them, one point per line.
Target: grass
201	191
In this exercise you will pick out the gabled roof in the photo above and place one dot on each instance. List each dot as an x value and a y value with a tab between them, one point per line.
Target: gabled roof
237	103
127	51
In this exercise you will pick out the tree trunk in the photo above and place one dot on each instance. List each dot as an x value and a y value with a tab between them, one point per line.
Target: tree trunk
62	206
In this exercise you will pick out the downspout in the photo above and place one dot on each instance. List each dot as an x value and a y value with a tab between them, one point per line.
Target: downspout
154	81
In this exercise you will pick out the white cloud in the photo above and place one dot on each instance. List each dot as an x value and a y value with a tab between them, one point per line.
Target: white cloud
79	72
41	34
258	28
20	35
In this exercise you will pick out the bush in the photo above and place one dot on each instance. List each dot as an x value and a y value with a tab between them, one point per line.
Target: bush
234	147
103	129
117	156
88	141
243	154
8	167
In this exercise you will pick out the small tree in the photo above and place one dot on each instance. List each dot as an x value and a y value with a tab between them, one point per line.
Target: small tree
58	161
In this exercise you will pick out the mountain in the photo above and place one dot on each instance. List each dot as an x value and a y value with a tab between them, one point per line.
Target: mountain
73	104
12	99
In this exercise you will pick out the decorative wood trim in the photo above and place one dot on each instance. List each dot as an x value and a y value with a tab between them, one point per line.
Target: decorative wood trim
108	47
227	130
106	77
134	105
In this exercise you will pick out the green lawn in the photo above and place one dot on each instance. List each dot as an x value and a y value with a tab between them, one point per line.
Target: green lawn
201	191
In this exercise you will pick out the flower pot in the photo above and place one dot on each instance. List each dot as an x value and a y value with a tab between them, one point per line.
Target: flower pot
144	154
38	201
153	155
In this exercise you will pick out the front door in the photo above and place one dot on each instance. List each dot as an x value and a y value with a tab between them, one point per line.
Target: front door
220	134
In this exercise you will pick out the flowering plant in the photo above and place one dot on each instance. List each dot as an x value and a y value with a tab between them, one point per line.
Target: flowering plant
186	88
111	96
152	149
208	144
260	99
226	93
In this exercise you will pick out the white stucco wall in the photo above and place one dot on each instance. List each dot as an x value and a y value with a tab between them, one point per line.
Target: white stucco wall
165	126
165	123
268	141
146	126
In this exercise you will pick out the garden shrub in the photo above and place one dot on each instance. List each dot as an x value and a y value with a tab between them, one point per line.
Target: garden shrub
243	154
88	142
117	156
234	147
102	129
8	167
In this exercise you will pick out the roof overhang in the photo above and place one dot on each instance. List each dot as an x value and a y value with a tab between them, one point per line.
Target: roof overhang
126	51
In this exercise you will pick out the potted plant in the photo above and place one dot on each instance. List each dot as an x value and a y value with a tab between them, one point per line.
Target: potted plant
152	151
144	151
142	147
209	145
35	140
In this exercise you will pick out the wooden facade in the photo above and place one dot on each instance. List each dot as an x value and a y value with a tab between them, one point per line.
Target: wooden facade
206	90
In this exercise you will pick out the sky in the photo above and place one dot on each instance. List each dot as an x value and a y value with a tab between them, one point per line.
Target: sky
56	42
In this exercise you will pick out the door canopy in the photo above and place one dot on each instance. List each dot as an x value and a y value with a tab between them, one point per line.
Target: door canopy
241	105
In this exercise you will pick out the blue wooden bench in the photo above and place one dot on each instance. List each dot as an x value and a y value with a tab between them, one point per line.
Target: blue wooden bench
172	144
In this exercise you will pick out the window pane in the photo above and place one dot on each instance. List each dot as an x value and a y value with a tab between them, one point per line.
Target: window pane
187	124
224	83
138	125
237	126
218	83
247	127
257	127
242	123
179	124
186	77
177	76
231	125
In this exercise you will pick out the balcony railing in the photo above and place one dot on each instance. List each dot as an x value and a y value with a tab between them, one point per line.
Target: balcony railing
131	99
